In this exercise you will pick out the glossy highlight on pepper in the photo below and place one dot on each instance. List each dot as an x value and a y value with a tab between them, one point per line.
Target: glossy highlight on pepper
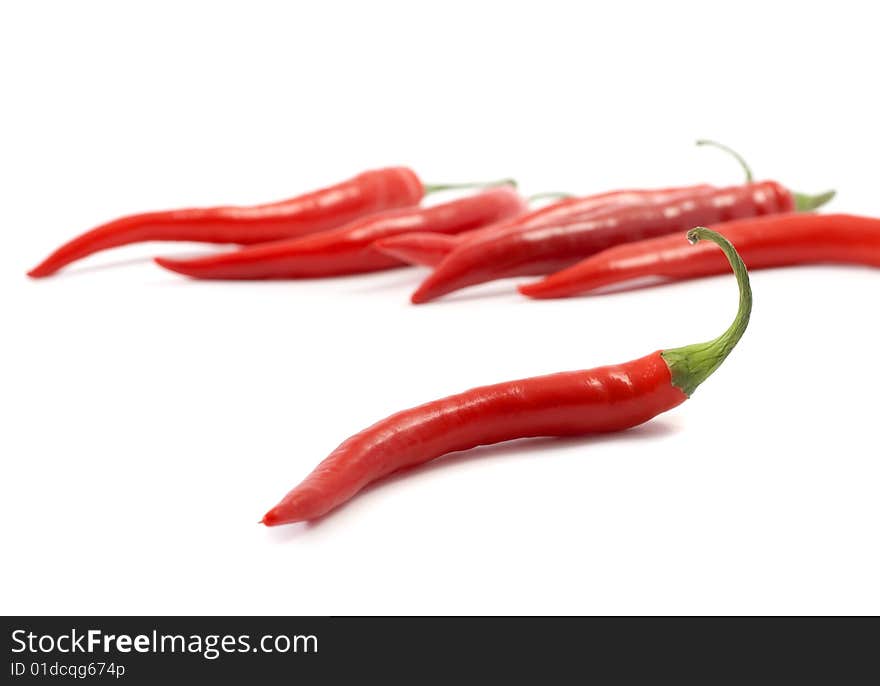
599	400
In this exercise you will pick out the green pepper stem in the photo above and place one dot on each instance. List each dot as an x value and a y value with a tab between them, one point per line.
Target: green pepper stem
808	203
437	187
549	195
730	151
691	365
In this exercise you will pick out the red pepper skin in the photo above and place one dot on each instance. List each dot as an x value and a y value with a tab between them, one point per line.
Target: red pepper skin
327	208
348	249
546	249
570	403
571	210
764	242
423	249
429	250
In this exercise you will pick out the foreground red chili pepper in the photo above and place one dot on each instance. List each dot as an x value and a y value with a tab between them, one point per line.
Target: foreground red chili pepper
571	403
327	208
774	241
519	251
348	249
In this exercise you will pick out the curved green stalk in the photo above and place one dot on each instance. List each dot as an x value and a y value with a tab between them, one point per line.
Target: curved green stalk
730	151
691	365
549	195
436	187
808	203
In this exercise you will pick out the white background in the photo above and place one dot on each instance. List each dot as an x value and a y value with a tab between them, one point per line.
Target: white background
149	421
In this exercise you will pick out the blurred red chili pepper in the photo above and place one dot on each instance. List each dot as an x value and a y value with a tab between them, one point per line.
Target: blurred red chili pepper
327	208
348	249
426	249
525	250
423	249
571	403
773	241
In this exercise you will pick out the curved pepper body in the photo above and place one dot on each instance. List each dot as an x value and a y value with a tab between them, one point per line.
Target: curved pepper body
570	403
774	241
572	210
545	249
420	248
319	210
349	249
427	250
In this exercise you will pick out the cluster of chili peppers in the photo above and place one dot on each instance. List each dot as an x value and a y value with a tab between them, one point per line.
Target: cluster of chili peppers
328	231
578	245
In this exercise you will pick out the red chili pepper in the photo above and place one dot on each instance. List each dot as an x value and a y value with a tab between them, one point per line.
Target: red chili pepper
319	210
348	249
571	403
774	241
429	250
519	251
423	249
